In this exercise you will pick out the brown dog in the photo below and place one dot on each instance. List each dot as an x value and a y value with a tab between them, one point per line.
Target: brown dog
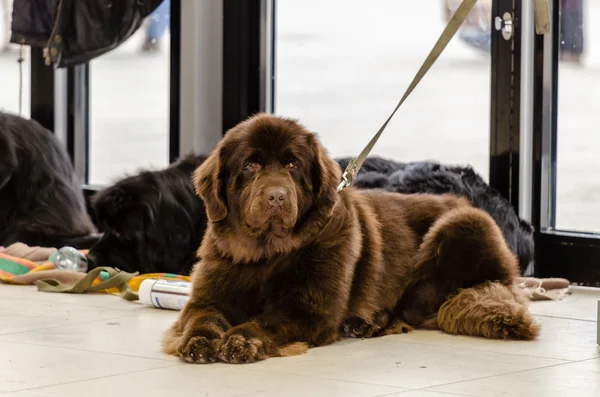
288	259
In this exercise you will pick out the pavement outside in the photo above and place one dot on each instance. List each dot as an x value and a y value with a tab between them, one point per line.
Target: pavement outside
341	67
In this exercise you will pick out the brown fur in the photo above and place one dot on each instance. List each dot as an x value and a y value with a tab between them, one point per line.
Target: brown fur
275	276
492	310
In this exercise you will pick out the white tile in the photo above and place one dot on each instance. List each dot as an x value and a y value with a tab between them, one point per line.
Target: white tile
389	361
99	300
217	380
422	393
59	344
25	366
581	305
581	379
560	338
21	314
137	333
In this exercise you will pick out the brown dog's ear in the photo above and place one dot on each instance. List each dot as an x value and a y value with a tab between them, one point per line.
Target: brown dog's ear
326	174
209	184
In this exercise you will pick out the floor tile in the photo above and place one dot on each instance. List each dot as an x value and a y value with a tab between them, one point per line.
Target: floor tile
136	333
581	305
99	300
16	394
212	380
60	344
577	340
19	315
25	366
389	361
421	393
581	379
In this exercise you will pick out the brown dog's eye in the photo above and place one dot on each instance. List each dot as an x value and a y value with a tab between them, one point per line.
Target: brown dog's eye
290	165
252	167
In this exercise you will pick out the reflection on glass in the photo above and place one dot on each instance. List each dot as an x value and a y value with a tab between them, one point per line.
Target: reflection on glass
578	150
129	103
9	67
341	71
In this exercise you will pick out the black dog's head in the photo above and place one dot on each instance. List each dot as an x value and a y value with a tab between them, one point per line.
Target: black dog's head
41	202
152	222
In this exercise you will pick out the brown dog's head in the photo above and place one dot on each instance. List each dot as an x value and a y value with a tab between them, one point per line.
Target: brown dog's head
266	187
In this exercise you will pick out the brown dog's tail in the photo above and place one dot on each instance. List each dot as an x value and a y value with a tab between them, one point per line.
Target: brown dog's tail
491	310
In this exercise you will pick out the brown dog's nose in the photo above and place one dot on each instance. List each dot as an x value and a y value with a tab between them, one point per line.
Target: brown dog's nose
276	196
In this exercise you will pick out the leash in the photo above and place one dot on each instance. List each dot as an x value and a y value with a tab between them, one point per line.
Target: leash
542	19
542	16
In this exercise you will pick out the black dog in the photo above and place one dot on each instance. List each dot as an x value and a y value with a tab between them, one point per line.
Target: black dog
435	178
41	202
154	222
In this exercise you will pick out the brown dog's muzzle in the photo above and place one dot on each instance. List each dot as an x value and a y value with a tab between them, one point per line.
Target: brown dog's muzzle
276	197
273	205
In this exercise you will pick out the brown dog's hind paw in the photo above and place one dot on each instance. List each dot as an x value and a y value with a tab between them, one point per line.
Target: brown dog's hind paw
200	350
517	328
397	327
491	310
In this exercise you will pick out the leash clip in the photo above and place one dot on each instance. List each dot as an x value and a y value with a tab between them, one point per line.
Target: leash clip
348	175
343	183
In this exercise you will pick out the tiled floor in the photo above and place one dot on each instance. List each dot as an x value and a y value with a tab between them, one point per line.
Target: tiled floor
98	345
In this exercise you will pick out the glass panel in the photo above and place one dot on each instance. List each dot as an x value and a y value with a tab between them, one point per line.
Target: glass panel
9	68
341	71
129	103
578	142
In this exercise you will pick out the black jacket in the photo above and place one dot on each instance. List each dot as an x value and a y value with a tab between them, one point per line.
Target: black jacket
76	31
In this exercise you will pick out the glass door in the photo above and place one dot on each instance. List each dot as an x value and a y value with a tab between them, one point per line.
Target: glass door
342	70
567	144
15	68
578	117
129	103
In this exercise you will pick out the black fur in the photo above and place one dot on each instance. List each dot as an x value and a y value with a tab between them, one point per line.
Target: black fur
431	177
41	202
152	222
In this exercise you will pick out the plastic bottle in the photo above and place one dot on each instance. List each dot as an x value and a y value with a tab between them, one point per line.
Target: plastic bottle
69	258
165	294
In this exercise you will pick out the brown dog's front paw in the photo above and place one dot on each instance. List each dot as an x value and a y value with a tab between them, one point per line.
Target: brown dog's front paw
238	349
200	350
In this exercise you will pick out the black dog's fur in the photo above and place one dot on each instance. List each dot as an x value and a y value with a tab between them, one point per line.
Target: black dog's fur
153	222
41	202
431	177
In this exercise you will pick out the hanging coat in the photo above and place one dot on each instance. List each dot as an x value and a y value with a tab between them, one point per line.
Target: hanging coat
72	32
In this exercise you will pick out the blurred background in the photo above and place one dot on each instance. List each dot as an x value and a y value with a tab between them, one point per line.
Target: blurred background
341	66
